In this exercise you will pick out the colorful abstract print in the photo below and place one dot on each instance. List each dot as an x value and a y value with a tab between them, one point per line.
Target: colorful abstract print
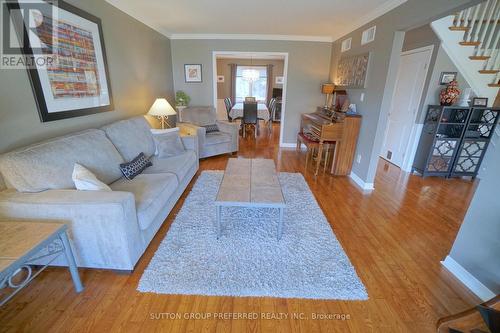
74	72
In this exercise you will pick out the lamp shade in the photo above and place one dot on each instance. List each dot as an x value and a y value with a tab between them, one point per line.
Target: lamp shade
327	88
161	107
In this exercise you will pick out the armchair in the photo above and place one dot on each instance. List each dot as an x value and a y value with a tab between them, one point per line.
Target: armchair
193	120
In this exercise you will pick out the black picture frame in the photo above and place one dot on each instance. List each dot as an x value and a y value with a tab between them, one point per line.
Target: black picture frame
480	102
43	110
186	80
444	79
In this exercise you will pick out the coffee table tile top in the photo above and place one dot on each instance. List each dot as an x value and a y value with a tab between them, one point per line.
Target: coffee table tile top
250	181
18	238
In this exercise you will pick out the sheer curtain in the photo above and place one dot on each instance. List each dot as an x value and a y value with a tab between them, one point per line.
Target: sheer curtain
269	83
233	82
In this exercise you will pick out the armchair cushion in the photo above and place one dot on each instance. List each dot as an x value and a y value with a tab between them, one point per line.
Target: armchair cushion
151	193
215	138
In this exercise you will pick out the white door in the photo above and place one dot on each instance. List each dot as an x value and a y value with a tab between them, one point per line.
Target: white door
405	102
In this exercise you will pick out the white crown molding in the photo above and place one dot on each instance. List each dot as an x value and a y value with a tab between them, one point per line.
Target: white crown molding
300	38
368	17
377	12
474	285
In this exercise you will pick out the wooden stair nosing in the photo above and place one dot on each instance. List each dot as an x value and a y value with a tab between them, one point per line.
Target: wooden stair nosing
459	28
494	85
470	43
489	71
479	57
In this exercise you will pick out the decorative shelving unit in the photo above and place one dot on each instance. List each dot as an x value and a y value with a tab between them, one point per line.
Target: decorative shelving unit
454	140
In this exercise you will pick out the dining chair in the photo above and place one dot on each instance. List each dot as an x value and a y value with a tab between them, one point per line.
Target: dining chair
250	117
250	99
271	109
229	105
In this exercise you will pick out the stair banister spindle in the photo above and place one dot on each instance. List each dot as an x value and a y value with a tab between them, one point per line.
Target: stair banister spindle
486	5
467	17
460	19
491	62
490	31
487	28
473	23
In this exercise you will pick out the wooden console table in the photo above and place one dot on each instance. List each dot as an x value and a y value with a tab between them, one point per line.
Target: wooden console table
21	244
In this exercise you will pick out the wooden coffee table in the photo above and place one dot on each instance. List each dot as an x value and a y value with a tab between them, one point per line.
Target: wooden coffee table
22	243
250	183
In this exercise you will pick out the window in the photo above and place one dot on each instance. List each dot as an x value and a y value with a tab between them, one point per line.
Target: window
346	45
368	35
246	88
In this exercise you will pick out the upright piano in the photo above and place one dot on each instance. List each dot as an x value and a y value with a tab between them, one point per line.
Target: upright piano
325	126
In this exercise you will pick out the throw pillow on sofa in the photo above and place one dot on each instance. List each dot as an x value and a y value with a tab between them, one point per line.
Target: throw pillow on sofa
211	128
135	167
168	144
85	180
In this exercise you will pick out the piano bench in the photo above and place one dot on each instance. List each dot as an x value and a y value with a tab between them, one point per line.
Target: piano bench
313	144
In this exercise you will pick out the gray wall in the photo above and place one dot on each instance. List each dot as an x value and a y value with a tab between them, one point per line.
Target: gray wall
477	246
440	62
385	52
308	65
139	61
224	89
443	63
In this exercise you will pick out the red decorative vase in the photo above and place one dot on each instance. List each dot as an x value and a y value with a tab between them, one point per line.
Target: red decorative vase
450	94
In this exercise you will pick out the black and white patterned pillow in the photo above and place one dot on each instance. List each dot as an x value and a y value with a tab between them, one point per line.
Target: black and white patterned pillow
211	128
133	168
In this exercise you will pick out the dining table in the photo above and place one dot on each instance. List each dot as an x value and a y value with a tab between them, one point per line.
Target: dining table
237	111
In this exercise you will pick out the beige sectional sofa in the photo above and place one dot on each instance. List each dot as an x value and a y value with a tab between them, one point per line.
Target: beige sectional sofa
107	229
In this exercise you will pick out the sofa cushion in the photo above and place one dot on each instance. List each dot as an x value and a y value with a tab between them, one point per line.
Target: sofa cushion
49	165
151	193
178	165
215	138
131	137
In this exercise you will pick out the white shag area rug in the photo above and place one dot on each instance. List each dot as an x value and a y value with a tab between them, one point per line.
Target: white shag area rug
248	260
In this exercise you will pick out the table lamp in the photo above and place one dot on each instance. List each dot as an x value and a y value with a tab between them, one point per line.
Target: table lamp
327	89
162	109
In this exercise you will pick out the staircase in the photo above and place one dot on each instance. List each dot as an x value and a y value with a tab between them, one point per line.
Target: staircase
471	38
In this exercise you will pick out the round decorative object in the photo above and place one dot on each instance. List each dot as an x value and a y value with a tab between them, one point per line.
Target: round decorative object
450	94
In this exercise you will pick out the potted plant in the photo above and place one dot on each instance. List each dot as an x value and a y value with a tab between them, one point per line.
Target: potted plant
181	100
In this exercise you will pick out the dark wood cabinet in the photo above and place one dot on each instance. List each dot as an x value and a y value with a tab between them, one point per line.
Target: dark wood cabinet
454	140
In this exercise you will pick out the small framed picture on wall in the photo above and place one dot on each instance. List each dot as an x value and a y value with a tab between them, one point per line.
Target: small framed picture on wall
447	77
192	73
480	101
220	78
280	79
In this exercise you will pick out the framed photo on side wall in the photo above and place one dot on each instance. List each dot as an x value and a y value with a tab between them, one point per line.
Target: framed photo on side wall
447	77
192	73
480	101
70	75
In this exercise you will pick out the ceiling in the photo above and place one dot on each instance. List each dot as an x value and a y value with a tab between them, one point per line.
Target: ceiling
320	20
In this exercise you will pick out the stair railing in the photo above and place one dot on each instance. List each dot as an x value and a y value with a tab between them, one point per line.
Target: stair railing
481	26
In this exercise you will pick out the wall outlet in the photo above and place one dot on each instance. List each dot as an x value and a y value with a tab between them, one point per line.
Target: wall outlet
362	97
358	158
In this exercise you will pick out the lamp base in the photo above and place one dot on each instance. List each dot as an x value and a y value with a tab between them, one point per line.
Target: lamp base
164	121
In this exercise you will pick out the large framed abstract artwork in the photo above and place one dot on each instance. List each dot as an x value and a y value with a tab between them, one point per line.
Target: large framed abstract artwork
351	71
73	80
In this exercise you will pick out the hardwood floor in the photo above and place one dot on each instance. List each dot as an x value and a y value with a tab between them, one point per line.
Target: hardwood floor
395	238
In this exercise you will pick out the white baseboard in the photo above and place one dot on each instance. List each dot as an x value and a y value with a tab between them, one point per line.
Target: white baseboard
360	182
291	145
467	279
